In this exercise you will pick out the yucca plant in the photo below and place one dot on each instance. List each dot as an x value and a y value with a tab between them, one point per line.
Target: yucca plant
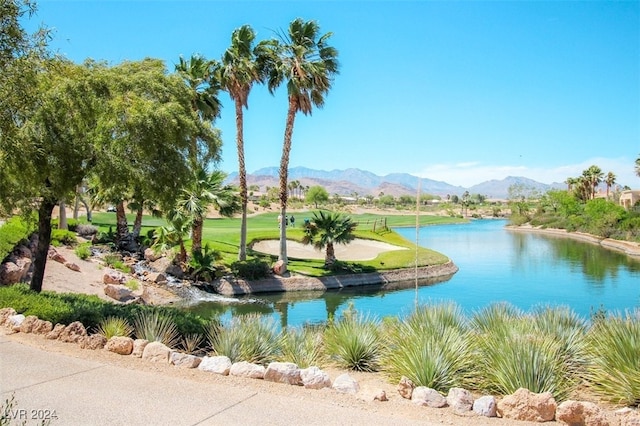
302	346
114	326
157	328
431	347
355	342
192	343
248	338
613	355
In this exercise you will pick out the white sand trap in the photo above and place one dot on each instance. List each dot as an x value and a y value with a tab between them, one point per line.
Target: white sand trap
357	249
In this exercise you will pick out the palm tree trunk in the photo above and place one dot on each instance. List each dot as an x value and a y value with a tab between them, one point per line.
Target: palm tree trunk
44	239
62	215
284	175
196	234
123	237
137	223
330	255
242	174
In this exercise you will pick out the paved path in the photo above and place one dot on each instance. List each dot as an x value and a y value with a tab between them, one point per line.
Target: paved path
87	392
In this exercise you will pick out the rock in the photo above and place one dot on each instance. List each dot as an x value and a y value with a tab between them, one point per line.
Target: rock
113	277
150	255
247	369
381	395
485	406
85	230
56	332
72	266
5	313
155	277
156	352
627	417
529	406
183	360
42	327
216	364
345	384
138	347
73	332
121	345
15	321
461	400
314	378
166	266
14	271
428	397
579	413
93	342
372	395
26	326
283	372
55	256
279	268
406	387
118	292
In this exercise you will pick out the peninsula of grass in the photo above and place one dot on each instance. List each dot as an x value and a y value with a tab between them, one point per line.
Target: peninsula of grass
223	235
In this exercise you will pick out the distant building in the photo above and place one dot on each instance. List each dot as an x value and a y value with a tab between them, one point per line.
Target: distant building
629	198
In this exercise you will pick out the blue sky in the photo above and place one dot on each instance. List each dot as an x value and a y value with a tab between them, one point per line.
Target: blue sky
460	92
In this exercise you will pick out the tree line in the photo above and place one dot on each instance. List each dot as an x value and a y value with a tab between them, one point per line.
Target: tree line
136	133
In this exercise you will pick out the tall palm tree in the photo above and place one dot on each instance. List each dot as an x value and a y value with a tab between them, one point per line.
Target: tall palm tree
638	166
610	180
205	190
238	73
327	229
198	74
308	63
594	176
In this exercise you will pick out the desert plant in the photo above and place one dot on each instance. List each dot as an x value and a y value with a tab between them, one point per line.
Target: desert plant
154	327
202	263
132	284
192	343
431	347
63	237
355	342
248	338
613	357
114	326
302	346
83	251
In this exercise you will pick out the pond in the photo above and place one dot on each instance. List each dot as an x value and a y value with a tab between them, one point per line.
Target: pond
496	265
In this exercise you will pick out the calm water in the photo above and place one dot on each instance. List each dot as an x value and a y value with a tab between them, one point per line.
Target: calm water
524	269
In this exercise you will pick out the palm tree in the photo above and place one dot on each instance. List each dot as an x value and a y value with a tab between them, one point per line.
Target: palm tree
198	74
610	180
303	58
327	229
206	189
638	166
173	234
238	73
593	176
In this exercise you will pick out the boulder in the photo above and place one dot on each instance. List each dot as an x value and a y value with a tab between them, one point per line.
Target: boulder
428	397
138	347
528	406
150	255
216	364
345	384
27	325
406	387
113	277
247	369
461	400
156	352
283	372
93	342
279	268
14	271
42	327
156	277
627	417
314	378
5	313
166	266
74	267
73	332
15	321
485	406
118	292
56	332
55	256
121	345
183	360
580	413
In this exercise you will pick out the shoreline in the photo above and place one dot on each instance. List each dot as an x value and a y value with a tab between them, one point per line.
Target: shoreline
396	278
627	247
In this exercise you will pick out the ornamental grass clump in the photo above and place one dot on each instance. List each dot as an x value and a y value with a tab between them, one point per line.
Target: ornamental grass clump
114	327
155	327
302	346
523	351
431	347
248	338
355	342
613	356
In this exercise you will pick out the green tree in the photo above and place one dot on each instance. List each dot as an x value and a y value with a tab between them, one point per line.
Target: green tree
239	71
327	229
308	63
317	195
637	168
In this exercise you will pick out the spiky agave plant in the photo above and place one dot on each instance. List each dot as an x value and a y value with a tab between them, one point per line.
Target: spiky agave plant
431	347
302	346
248	338
613	356
114	326
154	327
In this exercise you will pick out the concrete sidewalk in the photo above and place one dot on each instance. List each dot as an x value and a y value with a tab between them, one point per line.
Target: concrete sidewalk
87	392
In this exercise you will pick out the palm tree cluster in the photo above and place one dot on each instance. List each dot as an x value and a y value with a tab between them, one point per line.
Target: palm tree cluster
585	186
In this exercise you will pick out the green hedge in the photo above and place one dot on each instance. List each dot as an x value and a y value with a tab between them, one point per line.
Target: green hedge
11	233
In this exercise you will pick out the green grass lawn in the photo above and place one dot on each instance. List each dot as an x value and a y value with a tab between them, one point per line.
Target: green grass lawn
223	235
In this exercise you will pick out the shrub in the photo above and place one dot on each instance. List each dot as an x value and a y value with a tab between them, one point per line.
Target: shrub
155	327
302	346
83	251
202	263
355	342
132	284
62	237
613	370
114	326
192	343
12	233
248	338
253	269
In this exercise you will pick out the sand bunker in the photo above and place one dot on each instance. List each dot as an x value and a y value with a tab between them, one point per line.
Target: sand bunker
357	249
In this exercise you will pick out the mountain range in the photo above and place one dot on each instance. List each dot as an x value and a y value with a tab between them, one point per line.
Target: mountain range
351	181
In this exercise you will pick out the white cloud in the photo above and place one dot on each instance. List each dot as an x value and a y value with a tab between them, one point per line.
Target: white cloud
471	173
